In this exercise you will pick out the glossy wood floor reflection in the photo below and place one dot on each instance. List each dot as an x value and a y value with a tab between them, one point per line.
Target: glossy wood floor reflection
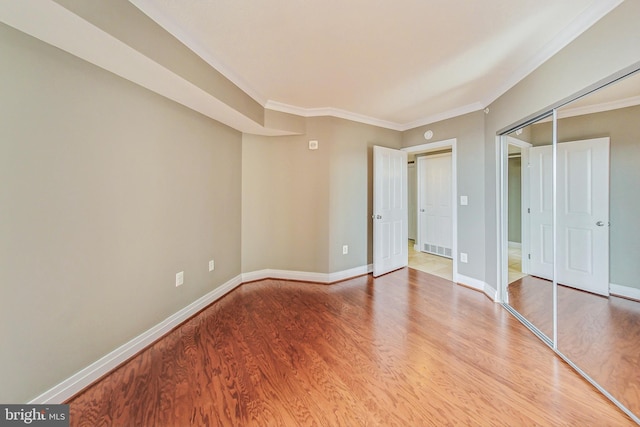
601	335
405	349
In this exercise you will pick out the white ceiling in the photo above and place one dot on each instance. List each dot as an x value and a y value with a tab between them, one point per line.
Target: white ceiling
403	63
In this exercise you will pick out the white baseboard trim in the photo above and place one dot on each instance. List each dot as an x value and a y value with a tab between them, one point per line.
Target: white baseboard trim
304	276
77	382
479	285
491	292
87	376
515	245
624	291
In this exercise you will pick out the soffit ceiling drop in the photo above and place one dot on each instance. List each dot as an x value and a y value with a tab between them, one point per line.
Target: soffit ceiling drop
398	64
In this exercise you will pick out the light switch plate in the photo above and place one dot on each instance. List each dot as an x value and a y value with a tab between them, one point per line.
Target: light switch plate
179	278
464	200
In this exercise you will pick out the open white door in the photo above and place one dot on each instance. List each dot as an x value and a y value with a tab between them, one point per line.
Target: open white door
390	215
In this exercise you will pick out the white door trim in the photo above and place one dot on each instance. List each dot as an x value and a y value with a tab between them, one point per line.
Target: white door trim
439	145
524	198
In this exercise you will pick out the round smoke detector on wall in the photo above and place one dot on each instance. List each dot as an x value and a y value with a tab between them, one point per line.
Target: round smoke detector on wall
428	134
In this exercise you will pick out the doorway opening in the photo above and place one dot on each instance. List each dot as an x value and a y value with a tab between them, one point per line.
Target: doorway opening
432	194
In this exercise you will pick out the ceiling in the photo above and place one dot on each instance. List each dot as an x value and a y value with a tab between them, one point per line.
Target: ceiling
403	63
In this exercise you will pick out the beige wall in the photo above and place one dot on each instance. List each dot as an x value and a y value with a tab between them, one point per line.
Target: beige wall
351	190
106	192
300	206
606	48
285	199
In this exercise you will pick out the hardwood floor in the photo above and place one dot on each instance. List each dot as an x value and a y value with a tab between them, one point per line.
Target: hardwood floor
533	298
601	335
405	349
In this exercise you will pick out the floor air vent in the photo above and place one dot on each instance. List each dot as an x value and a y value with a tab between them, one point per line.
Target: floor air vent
437	250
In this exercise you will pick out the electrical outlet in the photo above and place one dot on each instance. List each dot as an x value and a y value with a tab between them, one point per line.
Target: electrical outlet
179	278
463	257
345	249
212	265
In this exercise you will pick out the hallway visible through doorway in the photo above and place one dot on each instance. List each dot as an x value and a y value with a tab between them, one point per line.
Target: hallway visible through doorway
443	267
428	263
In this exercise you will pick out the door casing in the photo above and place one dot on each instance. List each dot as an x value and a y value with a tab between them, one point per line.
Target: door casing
436	146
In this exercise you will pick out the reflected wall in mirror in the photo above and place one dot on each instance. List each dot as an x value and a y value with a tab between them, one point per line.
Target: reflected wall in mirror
529	194
598	239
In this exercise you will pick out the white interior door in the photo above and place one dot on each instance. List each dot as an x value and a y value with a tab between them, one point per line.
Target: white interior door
582	219
435	204
583	215
412	200
390	241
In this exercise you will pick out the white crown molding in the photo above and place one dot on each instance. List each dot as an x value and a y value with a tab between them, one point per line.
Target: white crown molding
53	24
588	18
149	8
445	115
578	26
343	114
564	113
332	112
599	108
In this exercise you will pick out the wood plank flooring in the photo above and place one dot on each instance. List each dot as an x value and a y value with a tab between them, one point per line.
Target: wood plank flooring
405	349
601	335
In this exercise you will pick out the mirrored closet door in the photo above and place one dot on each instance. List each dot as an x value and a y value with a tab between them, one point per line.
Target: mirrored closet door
570	186
529	206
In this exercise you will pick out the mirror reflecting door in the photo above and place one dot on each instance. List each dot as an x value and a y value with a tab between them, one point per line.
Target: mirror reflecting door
528	189
598	245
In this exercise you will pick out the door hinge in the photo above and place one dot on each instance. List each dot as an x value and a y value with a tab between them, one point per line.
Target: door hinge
529	256
528	210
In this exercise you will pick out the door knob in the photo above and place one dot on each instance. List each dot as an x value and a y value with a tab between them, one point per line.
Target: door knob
601	223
